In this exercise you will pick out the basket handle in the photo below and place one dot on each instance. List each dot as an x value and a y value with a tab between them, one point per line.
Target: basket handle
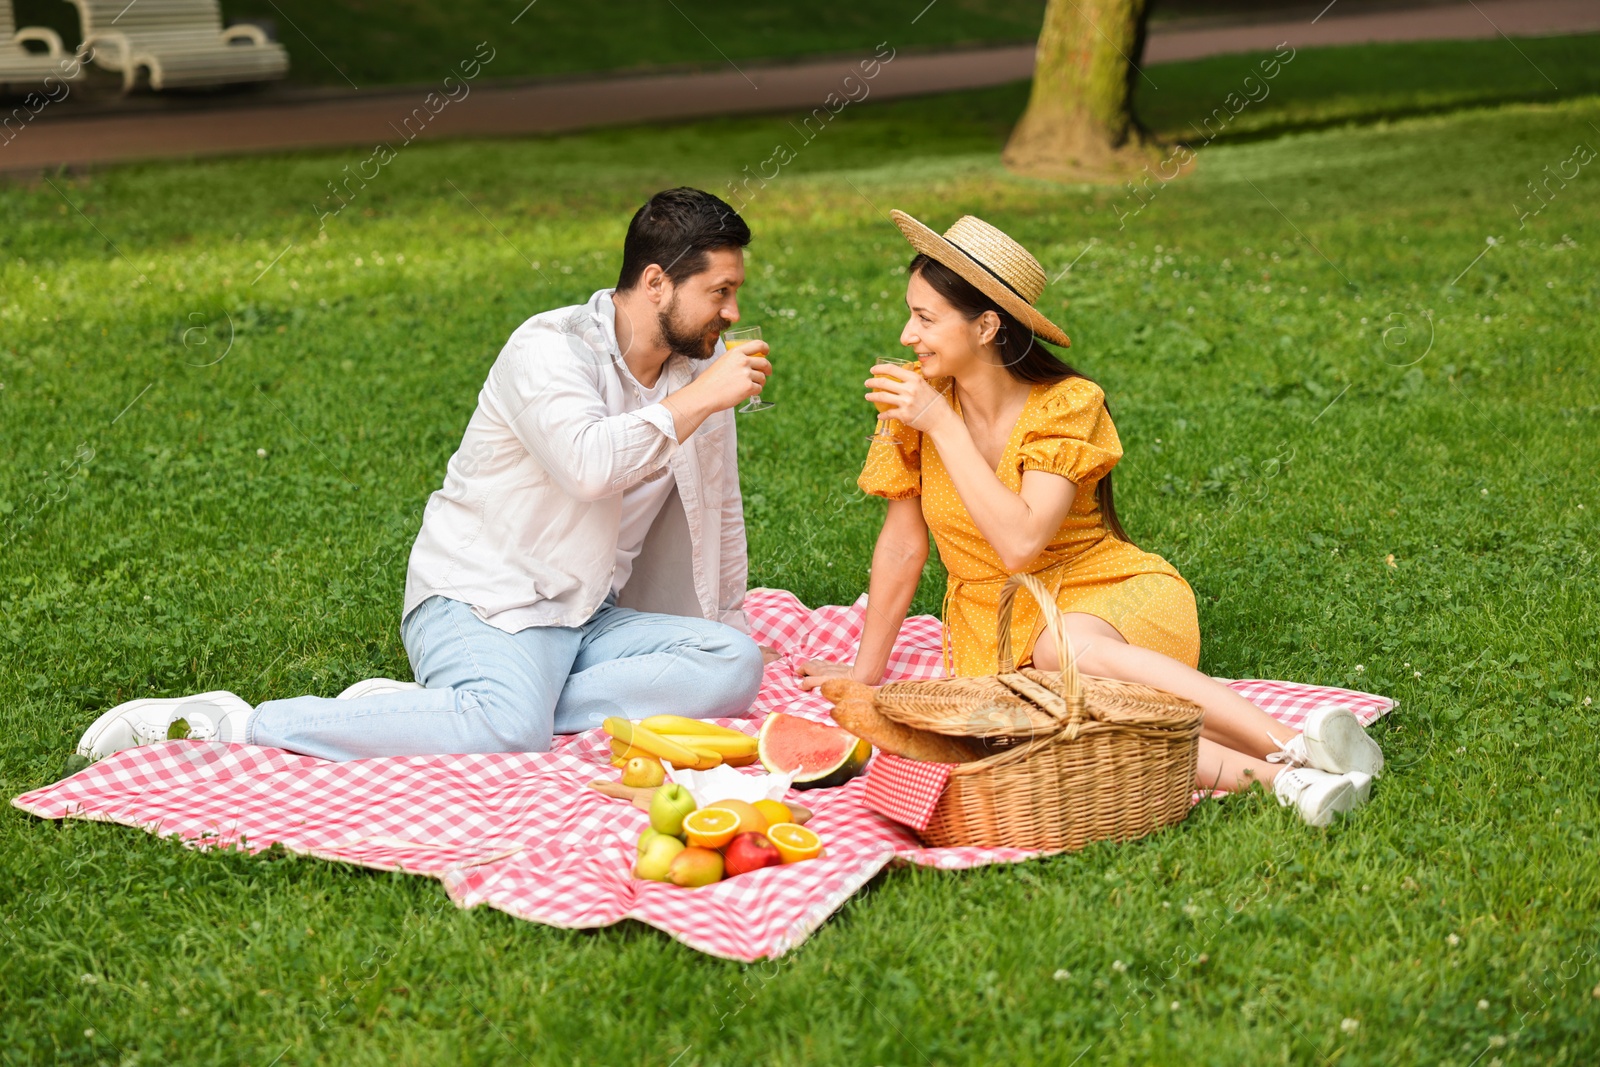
1071	683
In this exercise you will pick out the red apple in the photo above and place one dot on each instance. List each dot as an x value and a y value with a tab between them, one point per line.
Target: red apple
749	852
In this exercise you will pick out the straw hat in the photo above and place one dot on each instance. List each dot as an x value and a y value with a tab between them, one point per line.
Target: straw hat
1002	269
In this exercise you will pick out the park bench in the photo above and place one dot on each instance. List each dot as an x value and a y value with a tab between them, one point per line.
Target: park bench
22	66
179	43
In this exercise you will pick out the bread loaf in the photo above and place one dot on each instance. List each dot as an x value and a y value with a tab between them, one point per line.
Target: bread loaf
864	720
838	690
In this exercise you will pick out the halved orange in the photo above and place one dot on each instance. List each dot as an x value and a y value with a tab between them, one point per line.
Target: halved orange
751	821
794	842
710	827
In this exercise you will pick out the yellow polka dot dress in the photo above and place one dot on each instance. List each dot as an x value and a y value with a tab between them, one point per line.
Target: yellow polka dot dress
1064	429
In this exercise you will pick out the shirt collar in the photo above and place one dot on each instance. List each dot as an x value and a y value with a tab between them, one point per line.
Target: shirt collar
677	371
605	313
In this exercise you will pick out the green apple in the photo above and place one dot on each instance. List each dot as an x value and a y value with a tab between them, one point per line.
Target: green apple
656	859
668	806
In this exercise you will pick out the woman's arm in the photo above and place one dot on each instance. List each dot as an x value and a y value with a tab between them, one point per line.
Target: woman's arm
1017	525
897	563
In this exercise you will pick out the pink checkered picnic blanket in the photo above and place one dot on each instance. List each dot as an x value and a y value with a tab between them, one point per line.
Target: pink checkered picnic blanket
520	832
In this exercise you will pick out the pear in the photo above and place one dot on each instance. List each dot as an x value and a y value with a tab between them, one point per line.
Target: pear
668	805
694	867
649	835
655	862
643	772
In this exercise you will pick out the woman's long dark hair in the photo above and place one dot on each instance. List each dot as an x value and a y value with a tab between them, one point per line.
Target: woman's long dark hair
1021	351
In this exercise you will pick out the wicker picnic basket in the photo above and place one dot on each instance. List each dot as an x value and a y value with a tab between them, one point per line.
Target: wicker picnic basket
1071	759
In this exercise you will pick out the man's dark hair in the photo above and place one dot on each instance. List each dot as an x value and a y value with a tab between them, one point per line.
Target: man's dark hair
676	228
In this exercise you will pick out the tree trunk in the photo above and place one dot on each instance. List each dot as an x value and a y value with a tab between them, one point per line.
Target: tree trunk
1079	125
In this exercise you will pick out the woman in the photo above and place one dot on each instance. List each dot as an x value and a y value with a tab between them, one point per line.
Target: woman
1005	453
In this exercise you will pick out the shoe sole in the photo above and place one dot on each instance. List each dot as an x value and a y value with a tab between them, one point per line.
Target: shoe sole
1362	786
1336	802
97	729
1340	745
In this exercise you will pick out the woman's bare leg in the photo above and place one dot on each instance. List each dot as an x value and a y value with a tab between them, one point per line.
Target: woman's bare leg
1230	720
1224	769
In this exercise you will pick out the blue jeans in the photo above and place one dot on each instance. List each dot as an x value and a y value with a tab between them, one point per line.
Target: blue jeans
490	691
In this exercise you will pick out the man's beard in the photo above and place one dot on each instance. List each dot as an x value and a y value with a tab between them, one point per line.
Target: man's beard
687	341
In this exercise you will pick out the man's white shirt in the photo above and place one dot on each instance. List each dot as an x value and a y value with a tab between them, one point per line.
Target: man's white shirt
641	503
529	526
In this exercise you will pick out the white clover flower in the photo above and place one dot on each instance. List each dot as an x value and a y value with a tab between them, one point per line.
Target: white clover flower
1483	1005
1062	975
1453	940
1119	966
1350	1026
89	979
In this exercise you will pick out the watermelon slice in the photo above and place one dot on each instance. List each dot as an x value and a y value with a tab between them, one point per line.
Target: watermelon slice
820	756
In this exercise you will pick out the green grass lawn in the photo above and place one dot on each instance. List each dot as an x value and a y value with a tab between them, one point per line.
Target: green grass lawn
1367	437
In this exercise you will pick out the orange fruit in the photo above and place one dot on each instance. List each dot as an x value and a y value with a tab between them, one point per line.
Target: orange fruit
710	827
751	821
794	842
774	811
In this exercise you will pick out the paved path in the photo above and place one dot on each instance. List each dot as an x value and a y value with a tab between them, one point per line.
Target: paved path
364	119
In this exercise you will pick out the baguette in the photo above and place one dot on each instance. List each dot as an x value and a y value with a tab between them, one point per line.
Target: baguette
864	720
838	690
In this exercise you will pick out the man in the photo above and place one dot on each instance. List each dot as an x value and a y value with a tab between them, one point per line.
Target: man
586	554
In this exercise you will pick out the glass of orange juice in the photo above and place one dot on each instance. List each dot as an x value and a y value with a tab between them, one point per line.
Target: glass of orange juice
912	366
733	339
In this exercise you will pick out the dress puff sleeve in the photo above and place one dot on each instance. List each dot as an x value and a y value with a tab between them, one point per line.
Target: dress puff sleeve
894	468
1073	435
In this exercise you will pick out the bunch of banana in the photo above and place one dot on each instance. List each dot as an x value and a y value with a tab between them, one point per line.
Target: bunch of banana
682	742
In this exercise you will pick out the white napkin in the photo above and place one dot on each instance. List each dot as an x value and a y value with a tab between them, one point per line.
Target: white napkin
726	783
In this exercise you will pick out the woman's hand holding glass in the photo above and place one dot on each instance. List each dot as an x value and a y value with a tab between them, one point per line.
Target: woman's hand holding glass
906	398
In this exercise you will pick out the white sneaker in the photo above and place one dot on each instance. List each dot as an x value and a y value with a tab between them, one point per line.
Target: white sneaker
1317	795
1362	784
139	722
1333	741
375	686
